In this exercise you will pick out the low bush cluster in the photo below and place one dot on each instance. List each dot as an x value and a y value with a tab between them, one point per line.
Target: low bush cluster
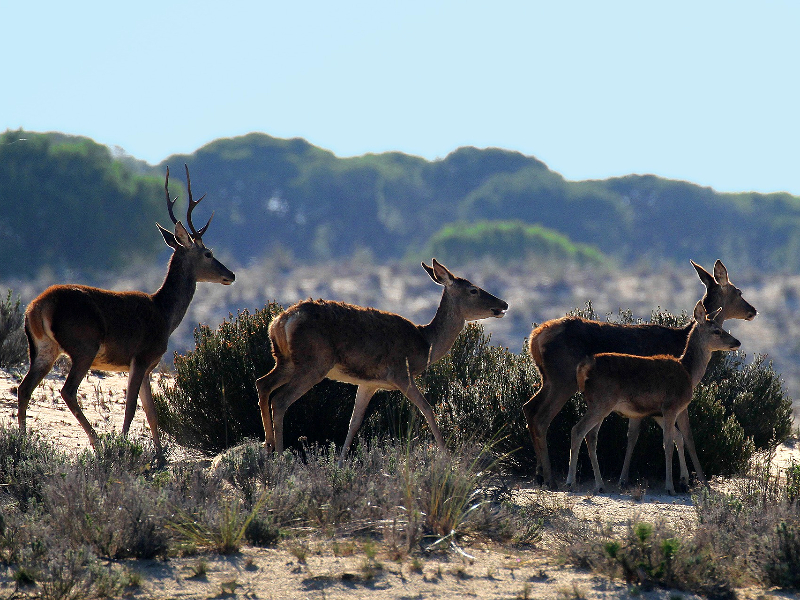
66	520
749	535
477	391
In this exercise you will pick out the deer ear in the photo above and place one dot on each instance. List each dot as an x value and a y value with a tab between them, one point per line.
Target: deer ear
699	311
705	276
183	236
439	273
169	237
721	273
716	316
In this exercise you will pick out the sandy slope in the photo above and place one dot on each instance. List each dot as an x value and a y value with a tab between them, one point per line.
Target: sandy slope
278	573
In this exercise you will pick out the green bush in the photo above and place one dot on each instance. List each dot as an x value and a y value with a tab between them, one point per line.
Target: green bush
13	344
25	463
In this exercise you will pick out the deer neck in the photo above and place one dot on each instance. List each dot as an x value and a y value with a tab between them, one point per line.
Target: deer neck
176	292
696	357
443	330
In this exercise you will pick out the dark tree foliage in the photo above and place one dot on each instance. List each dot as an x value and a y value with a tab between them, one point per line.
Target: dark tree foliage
67	205
272	193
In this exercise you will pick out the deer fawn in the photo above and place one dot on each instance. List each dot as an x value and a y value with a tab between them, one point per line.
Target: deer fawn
118	331
641	386
375	350
557	346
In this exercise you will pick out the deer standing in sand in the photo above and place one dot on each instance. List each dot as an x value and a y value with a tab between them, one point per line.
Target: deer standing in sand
557	346
373	349
118	331
641	386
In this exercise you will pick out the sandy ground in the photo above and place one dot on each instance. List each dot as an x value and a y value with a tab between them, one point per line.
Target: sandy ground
320	570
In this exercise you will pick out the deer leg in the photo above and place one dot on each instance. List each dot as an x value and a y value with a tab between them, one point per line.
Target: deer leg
588	422
80	366
412	392
669	440
149	406
363	396
681	455
539	412
683	425
591	445
136	376
287	395
634	426
279	375
42	360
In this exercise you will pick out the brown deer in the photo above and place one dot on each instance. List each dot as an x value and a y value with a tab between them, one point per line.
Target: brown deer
641	386
373	349
557	346
118	331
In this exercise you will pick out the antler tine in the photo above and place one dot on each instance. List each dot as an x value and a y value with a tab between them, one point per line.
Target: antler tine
170	203
195	234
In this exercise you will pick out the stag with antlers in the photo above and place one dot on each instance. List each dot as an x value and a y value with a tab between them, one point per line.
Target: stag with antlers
118	331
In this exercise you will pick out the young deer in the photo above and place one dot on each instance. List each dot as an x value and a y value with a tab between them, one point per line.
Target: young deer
118	331
641	386
375	350
557	346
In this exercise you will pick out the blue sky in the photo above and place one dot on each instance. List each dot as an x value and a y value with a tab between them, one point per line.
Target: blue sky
702	91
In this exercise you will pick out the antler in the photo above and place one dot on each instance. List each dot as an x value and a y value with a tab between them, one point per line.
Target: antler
195	234
170	203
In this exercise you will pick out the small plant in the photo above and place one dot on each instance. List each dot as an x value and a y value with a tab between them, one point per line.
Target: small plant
793	482
24	577
299	550
416	564
220	530
13	344
199	569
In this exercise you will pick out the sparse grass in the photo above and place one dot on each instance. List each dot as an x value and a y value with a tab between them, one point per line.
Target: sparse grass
749	535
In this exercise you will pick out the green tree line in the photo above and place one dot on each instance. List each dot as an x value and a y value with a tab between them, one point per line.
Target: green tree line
96	209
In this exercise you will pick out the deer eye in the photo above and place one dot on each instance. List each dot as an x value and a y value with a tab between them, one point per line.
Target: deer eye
208	254
473	291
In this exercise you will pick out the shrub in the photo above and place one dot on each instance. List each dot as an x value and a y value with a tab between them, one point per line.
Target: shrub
13	343
118	517
213	403
25	463
749	534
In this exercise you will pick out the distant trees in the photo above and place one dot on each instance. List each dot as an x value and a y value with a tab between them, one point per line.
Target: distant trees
66	204
98	208
508	241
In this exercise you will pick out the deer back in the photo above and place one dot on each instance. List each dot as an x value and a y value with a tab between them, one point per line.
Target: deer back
365	343
635	386
120	324
561	343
